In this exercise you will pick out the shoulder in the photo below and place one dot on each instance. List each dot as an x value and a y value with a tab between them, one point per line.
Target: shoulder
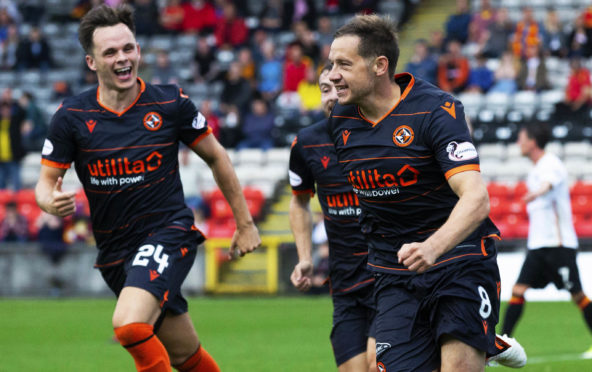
164	92
82	102
428	96
313	134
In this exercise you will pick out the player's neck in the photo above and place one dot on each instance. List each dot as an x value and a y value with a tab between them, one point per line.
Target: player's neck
536	155
385	95
117	100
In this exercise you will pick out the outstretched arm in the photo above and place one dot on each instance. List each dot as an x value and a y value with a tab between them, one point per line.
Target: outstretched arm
301	225
246	237
49	194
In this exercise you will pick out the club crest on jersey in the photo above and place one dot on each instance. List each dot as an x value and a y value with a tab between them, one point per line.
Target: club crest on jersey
90	124
461	151
381	367
325	160
403	136
152	121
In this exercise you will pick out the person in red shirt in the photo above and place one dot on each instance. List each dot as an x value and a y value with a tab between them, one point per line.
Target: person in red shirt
231	30
199	15
172	16
453	69
578	93
295	68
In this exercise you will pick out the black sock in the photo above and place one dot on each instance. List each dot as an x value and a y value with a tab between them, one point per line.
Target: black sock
586	306
513	313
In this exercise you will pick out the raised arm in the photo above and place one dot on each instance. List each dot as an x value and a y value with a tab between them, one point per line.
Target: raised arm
301	225
246	237
49	194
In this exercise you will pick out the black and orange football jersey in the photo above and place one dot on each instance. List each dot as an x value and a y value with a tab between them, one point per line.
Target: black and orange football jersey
127	162
313	161
399	167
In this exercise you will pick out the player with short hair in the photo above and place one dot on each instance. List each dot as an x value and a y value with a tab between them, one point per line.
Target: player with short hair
552	242
123	138
313	162
406	150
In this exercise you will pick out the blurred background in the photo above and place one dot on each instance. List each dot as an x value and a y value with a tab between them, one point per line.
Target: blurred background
251	68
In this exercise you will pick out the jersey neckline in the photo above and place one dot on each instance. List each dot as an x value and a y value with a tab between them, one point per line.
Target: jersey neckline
142	89
401	98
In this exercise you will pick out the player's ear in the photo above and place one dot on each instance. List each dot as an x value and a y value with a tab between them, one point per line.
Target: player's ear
380	65
139	51
90	62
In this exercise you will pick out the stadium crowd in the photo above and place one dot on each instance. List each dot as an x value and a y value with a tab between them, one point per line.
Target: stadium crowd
251	67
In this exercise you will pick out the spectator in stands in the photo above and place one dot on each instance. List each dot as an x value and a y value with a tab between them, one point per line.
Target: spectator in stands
61	90
248	68
360	6
482	20
578	94
528	32
257	127
212	119
78	230
34	52
34	127
11	142
505	74
580	40
295	67
163	72
457	25
231	31
205	67
422	64
436	45
299	10
325	31
453	69
198	16
270	72
8	49
497	37
306	38
270	16
83	6
146	12
88	78
14	227
236	93
554	39
50	234
310	95
480	77
171	17
5	22
532	74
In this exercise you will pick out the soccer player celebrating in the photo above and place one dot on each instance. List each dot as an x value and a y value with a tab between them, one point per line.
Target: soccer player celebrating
313	160
406	150
123	138
552	242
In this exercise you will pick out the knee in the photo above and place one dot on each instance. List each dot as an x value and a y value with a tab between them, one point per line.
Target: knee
180	353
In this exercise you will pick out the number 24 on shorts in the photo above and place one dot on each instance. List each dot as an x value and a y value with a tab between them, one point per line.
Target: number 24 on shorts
147	251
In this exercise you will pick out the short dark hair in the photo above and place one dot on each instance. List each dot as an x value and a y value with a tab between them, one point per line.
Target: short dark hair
378	37
103	16
539	132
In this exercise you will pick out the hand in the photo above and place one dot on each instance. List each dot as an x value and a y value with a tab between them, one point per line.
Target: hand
302	276
62	203
530	196
244	240
417	256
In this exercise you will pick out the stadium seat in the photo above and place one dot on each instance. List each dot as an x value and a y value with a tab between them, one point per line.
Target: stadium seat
253	157
221	229
525	102
583	228
277	155
492	151
25	196
582	205
581	189
6	196
520	189
499	190
555	147
579	149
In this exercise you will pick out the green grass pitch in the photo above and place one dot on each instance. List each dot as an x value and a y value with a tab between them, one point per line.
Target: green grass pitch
244	334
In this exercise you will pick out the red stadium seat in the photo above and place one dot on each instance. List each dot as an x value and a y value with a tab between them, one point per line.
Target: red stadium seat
518	208
581	188
6	196
255	201
498	189
582	205
497	206
583	227
221	229
520	189
25	196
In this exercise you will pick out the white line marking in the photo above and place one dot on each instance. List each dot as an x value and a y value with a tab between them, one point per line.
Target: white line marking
558	358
